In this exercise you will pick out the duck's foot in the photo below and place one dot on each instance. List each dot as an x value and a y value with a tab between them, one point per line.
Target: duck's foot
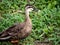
15	42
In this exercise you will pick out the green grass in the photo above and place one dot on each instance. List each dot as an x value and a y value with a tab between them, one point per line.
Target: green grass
46	23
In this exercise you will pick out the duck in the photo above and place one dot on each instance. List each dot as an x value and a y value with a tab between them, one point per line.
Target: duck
19	31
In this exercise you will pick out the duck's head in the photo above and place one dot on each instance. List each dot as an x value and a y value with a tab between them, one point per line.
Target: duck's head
30	8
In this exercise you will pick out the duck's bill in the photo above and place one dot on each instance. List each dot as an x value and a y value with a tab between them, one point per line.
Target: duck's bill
35	9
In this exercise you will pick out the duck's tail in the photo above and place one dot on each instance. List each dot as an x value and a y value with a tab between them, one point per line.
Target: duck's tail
5	38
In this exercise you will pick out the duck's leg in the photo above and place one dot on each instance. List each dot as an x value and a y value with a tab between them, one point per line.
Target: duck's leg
15	42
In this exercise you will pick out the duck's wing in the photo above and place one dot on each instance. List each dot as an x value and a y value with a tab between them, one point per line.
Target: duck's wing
5	31
15	30
8	29
11	31
4	34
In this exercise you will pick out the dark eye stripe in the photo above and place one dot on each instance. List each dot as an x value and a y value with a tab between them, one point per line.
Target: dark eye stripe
29	7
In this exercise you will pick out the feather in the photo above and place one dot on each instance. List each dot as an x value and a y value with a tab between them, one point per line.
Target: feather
5	38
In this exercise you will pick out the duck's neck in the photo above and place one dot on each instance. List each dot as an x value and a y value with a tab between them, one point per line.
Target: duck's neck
28	20
27	15
28	23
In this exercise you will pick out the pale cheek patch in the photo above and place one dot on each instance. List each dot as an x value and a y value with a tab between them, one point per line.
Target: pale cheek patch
30	9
